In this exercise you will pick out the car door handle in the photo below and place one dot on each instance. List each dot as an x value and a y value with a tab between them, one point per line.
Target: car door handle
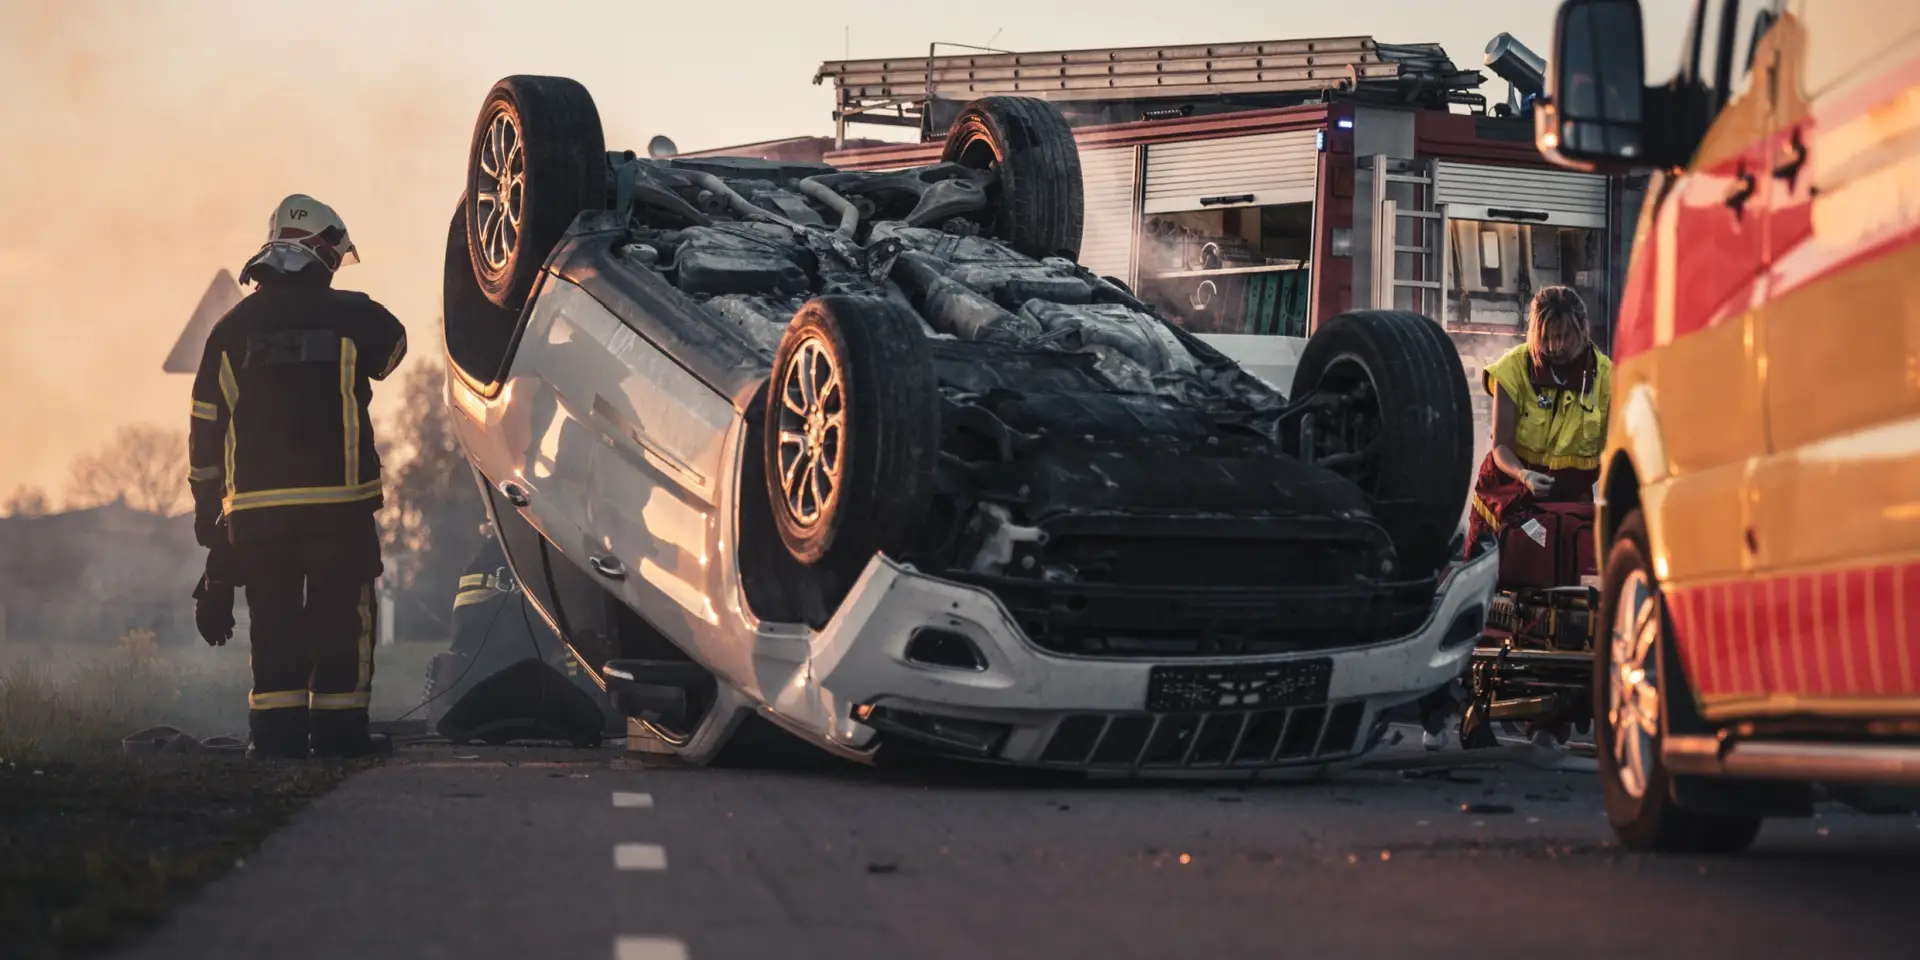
608	567
515	493
1793	157
1744	186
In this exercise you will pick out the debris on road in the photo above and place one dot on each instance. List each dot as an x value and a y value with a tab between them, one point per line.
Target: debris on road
1486	808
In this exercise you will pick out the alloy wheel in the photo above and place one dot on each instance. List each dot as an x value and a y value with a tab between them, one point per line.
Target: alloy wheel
1633	688
500	200
813	419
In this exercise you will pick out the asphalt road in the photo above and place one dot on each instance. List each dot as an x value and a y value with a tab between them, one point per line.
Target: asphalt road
514	853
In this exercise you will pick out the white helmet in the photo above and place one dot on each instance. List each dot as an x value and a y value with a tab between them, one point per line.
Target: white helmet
303	231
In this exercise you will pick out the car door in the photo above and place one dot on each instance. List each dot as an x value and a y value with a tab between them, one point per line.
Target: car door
652	484
1709	261
528	438
1838	496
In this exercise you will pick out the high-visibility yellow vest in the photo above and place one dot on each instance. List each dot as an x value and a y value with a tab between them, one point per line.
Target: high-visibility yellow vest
1559	427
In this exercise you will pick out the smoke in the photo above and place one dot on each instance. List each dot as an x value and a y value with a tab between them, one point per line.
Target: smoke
142	147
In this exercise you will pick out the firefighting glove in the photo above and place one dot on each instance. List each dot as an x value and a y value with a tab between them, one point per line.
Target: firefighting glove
213	611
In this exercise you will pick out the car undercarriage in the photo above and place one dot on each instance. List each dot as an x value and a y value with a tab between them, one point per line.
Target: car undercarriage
1123	488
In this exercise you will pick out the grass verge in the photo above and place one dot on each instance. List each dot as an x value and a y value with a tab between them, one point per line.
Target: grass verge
95	845
97	848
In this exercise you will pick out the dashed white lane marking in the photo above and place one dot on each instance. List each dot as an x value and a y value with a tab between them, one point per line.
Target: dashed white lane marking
648	948
641	801
639	856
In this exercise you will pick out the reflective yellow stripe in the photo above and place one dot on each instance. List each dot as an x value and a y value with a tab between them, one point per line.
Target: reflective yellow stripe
1566	462
467	598
202	474
277	700
399	350
357	700
299	496
1486	512
473	580
349	410
205	411
365	681
230	388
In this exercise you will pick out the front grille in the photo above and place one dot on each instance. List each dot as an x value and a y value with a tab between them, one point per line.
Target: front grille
1161	741
1110	621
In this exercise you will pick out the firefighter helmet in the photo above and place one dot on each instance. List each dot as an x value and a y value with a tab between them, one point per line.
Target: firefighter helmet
303	230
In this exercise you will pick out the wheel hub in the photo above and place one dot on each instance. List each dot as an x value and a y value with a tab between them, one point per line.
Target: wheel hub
1633	688
812	422
500	193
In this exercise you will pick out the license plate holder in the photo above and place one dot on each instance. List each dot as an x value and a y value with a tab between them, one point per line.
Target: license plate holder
1238	686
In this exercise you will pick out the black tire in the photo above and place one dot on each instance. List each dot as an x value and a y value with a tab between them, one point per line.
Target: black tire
880	457
557	165
1038	205
478	331
1640	803
1422	436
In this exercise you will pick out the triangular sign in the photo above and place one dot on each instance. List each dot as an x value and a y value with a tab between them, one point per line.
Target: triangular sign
220	297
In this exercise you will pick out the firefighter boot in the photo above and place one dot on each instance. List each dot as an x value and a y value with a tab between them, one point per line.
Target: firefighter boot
278	733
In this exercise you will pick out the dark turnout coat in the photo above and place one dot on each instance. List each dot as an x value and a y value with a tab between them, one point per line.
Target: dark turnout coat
280	437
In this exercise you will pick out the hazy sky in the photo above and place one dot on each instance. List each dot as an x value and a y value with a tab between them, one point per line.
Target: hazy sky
143	144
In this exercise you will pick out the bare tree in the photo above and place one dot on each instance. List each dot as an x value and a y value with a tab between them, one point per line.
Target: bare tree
26	501
144	467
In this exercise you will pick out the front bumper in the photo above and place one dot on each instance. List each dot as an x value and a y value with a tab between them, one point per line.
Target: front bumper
1031	707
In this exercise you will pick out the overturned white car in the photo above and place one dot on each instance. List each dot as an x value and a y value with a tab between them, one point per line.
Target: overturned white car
869	458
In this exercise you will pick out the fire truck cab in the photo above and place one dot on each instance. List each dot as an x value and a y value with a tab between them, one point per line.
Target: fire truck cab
1760	517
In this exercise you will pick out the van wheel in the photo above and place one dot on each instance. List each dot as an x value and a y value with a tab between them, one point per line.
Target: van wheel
1632	677
852	435
538	157
1039	208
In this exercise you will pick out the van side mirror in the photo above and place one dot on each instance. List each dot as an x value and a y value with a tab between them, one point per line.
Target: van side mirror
1594	117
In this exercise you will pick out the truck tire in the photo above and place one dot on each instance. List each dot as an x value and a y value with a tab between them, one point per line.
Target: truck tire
852	435
1633	777
1038	208
537	158
1413	437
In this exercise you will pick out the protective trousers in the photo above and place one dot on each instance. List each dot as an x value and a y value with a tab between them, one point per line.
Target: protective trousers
311	603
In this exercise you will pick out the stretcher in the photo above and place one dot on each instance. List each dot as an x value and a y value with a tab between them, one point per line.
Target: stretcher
1533	663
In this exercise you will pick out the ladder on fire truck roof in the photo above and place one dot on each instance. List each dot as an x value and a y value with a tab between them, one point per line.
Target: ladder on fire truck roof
898	91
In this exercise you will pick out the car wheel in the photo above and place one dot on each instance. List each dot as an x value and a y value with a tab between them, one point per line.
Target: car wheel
537	159
1038	207
1398	422
1632	677
852	434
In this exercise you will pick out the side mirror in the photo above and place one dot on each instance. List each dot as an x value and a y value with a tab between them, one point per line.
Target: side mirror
1594	117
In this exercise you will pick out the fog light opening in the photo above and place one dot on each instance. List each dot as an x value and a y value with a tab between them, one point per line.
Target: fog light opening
977	738
934	647
1466	628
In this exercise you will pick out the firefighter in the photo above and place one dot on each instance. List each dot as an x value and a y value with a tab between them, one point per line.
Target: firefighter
283	469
